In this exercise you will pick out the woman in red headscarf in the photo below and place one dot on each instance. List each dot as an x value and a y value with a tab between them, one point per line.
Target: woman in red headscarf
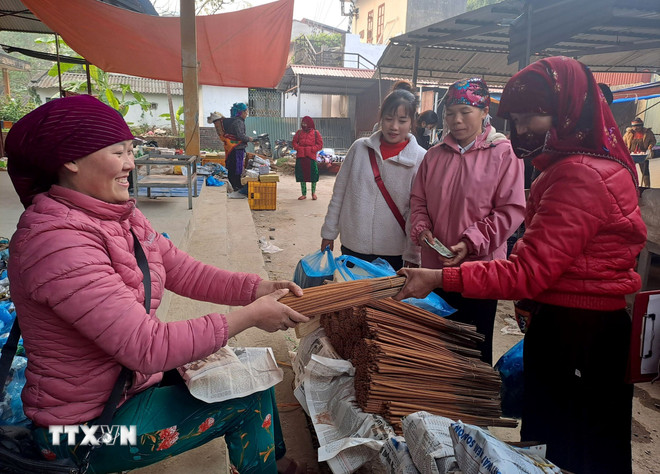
307	142
572	268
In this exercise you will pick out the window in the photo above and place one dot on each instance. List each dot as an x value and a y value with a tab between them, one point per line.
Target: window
370	27
380	24
153	106
264	102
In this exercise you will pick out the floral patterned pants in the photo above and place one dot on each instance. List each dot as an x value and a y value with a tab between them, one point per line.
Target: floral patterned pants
170	421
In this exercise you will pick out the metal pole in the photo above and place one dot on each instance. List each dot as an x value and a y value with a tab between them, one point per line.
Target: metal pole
89	78
528	40
59	70
299	94
415	67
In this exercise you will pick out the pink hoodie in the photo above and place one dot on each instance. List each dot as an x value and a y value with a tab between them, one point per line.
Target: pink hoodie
80	302
477	197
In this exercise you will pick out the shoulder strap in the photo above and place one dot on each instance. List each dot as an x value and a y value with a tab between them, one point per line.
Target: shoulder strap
383	190
8	352
9	349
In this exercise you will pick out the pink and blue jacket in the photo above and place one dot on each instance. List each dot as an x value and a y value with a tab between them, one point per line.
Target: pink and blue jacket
79	298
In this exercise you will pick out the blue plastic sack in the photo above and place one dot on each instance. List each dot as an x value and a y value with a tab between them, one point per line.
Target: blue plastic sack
512	391
11	405
7	316
213	181
315	268
353	268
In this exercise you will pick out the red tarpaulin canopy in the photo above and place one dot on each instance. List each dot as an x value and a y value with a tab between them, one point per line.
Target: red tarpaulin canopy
247	48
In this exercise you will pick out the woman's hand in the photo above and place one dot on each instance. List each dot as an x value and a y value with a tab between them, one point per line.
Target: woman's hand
266	287
265	313
461	250
327	243
419	282
424	236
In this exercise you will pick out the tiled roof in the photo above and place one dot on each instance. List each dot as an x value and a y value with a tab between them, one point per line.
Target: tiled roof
138	84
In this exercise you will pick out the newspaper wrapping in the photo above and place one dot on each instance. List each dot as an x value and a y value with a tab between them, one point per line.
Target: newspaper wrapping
232	372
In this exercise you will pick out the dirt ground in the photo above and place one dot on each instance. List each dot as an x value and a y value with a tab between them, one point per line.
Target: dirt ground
295	228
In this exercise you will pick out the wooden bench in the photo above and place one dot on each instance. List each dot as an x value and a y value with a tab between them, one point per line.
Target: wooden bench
187	180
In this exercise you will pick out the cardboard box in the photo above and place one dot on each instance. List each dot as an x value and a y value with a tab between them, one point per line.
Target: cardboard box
269	178
249	179
262	196
214	159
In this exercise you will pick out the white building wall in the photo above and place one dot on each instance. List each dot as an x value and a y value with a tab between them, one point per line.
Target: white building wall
310	104
135	116
372	52
219	99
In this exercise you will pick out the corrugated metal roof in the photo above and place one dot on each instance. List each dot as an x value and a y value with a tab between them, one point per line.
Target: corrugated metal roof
607	35
622	78
326	80
138	84
332	71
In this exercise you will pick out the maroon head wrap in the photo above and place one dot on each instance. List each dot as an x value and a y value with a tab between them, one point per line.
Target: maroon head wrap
309	122
58	132
582	120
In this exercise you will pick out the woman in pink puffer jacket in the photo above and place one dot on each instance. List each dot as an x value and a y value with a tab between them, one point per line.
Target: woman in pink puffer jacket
80	300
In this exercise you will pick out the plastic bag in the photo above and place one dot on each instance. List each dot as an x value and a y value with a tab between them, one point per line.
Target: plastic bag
213	181
512	391
315	268
11	405
352	268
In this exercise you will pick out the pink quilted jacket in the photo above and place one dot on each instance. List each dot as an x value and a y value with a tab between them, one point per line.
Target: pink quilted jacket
80	303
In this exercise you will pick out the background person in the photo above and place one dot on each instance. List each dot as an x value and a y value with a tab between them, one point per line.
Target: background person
426	122
307	142
235	159
574	264
640	140
79	296
469	194
358	212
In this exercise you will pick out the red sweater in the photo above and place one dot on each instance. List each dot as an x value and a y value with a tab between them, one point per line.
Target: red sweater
583	232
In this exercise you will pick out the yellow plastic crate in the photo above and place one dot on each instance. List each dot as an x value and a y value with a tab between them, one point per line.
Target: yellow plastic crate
262	196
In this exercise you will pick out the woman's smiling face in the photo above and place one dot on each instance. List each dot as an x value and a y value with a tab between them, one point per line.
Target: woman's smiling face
104	174
395	127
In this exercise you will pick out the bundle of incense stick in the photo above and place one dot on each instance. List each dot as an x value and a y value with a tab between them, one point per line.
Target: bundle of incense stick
338	296
408	359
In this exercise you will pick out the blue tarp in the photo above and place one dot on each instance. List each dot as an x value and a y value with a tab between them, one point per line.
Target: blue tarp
171	192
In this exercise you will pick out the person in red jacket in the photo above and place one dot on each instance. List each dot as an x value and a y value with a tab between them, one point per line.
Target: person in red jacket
572	268
307	142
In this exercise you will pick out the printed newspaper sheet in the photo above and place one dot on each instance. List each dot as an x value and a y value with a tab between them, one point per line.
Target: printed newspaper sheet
232	372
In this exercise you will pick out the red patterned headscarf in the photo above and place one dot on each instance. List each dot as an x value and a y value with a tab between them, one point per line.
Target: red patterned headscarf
309	122
58	132
582	121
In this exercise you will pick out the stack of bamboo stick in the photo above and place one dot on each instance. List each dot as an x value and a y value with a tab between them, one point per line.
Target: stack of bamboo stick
408	360
337	296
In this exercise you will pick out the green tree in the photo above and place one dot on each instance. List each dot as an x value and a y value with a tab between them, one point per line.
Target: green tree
475	4
309	48
118	96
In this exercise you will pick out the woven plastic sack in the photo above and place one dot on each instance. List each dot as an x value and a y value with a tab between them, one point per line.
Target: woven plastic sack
352	268
512	391
315	268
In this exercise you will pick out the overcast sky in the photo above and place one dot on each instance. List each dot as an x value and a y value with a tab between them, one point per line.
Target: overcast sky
324	11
